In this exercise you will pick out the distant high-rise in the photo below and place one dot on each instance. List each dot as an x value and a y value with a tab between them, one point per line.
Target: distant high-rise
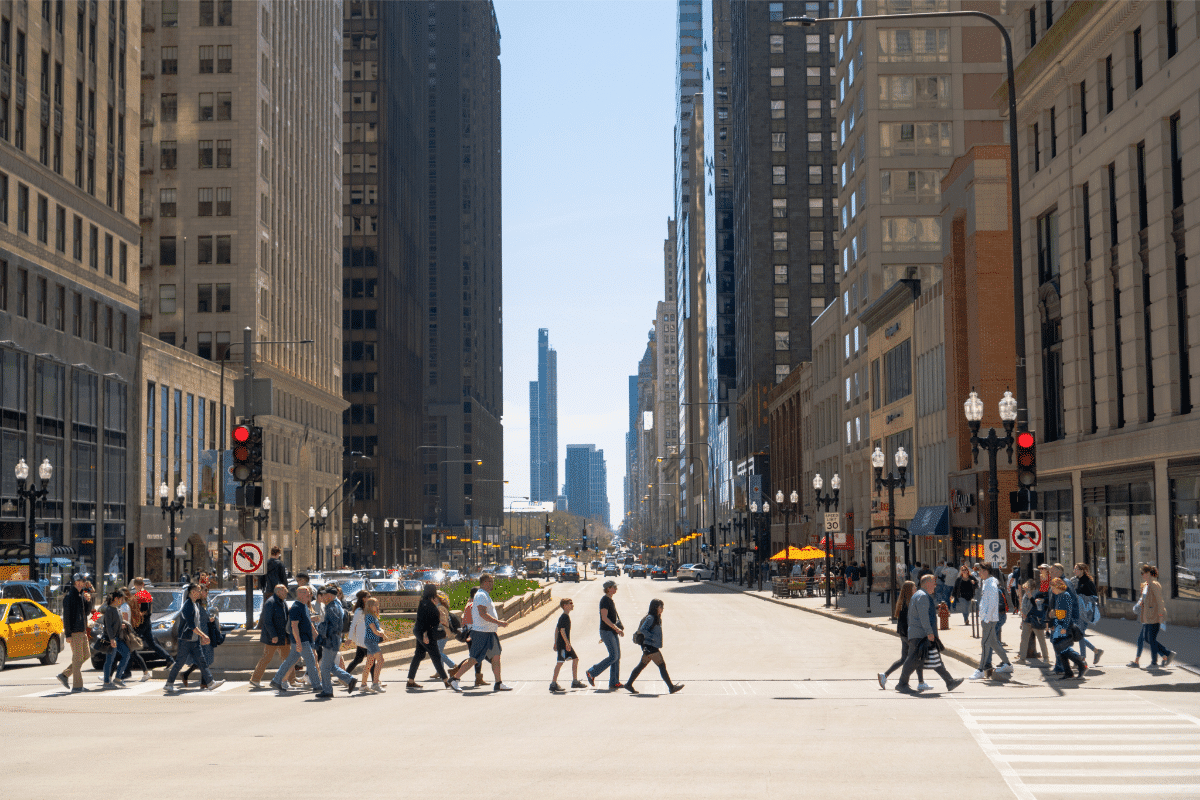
587	482
543	424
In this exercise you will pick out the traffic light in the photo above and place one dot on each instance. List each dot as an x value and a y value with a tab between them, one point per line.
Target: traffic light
547	533
1026	459
256	453
1023	500
585	540
240	447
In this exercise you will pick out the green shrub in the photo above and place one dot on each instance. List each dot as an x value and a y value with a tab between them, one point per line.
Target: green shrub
505	589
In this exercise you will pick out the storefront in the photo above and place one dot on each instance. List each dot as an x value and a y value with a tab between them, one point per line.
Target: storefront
964	516
1184	482
1056	510
1118	530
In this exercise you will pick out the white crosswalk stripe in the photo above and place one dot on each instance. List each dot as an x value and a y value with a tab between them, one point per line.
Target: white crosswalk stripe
1125	747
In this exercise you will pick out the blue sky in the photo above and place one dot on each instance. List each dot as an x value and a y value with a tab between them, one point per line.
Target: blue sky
588	109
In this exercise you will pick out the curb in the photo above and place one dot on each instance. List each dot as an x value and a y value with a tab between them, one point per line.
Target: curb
971	661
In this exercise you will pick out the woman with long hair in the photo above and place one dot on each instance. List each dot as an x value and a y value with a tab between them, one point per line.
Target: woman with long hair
964	589
1089	599
111	617
1152	613
213	629
651	631
1033	620
449	623
358	630
131	614
901	613
427	630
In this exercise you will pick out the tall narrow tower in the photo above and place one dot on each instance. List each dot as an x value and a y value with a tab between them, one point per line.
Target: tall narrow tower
543	424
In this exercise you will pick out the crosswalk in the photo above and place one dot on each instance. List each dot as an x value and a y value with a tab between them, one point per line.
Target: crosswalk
1087	747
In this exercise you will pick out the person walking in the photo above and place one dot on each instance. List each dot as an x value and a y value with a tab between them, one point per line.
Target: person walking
301	628
1089	603
358	629
119	651
1033	620
426	631
273	632
372	637
563	649
191	636
145	604
276	572
450	624
77	606
1152	613
989	618
215	637
485	641
611	630
964	590
1059	571
651	637
1061	617
131	615
330	636
467	618
901	613
922	637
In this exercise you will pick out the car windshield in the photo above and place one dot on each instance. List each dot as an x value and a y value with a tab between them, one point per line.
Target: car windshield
412	586
351	586
166	601
385	586
234	602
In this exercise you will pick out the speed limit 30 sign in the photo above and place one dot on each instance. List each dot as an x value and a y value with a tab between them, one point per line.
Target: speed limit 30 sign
1026	536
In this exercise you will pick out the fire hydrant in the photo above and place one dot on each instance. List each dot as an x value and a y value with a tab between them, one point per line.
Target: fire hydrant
943	612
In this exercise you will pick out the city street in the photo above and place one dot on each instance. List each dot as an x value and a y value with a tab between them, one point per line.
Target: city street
778	703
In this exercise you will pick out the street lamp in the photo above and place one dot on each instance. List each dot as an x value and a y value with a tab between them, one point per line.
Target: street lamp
360	532
827	501
318	523
788	510
973	409
762	516
890	483
173	507
31	497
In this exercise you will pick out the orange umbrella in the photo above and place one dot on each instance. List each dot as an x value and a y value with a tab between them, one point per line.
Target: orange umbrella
798	554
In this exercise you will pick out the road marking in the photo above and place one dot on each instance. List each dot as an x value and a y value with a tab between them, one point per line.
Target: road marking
1113	788
1108	773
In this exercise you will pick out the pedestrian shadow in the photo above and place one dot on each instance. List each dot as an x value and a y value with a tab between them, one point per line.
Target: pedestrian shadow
793	698
1162	687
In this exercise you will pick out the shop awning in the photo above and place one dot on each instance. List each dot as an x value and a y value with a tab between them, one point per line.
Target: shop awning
930	521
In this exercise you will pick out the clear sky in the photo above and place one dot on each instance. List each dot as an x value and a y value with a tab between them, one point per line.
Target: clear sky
588	110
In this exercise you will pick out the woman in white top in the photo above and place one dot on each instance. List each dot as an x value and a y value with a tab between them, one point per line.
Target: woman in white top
358	629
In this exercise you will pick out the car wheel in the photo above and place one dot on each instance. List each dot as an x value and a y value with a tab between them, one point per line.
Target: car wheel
696	579
51	654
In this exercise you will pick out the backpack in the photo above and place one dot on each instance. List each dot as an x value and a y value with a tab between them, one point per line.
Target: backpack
1003	605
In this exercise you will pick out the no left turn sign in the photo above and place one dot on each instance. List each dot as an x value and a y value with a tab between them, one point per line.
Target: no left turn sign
248	559
1025	536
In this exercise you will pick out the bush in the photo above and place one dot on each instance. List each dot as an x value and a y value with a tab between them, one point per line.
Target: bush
505	589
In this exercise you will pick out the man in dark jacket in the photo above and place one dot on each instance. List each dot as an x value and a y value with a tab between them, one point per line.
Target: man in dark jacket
274	632
330	635
922	624
77	605
276	573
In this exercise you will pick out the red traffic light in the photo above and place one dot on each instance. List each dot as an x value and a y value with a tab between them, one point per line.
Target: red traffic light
241	433
1025	439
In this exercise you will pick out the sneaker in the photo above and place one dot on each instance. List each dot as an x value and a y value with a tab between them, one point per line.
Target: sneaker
213	685
169	689
63	680
1166	659
456	686
951	685
904	688
324	695
882	680
108	685
554	687
614	686
1096	656
1004	669
145	677
675	688
120	684
923	687
1083	668
378	687
500	687
350	686
578	685
81	689
977	675
255	684
1134	664
591	678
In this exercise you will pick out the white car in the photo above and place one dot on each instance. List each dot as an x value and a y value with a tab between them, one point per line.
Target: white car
695	572
231	608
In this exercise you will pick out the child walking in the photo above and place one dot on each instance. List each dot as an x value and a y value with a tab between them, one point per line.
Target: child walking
371	639
563	649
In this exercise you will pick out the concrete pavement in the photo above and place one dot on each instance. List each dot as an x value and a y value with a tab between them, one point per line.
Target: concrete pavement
777	703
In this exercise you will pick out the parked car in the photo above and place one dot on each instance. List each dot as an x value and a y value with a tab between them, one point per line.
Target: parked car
230	608
637	571
372	573
658	571
412	586
611	570
505	571
384	585
29	630
694	572
437	576
24	590
569	573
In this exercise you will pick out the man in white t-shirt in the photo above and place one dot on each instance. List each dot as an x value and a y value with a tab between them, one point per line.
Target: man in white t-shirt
485	643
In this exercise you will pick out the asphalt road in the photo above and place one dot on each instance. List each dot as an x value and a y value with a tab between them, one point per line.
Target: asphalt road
778	703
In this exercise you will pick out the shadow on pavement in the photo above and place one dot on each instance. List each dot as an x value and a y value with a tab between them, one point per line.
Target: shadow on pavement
1160	687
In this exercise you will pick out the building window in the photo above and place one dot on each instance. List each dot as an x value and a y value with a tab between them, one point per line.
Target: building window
776	43
170	14
94	247
170	60
1137	58
778	109
224	153
170	107
224	106
204	202
817	305
1083	108
224	249
914	91
206	59
781	306
167	155
204	343
23	208
204	298
166	298
166	202
908	45
205	150
224	13
897	372
911	234
778	175
777	76
166	251
224	58
778	142
60	229
816	240
775	10
781	372
781	273
224	201
782	339
206	107
914	138
779	239
224	295
779	207
206	14
43	220
77	240
1036	147
1108	84
1032	26
1053	133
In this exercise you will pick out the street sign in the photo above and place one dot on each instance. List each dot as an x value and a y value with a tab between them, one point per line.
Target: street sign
248	559
833	522
1026	536
842	540
43	547
995	552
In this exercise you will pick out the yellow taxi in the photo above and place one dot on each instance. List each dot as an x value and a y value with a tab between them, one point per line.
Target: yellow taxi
29	630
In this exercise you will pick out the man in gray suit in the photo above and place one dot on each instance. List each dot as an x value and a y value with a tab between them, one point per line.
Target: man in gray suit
922	624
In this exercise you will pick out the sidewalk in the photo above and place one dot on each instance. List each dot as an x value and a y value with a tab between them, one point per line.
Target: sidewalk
1116	637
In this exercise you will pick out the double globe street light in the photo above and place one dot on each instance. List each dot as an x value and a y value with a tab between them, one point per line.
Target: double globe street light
788	510
31	497
318	523
827	502
878	460
173	507
973	409
760	516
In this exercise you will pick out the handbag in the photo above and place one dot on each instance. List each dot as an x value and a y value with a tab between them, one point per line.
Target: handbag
439	633
1075	633
131	639
104	645
639	638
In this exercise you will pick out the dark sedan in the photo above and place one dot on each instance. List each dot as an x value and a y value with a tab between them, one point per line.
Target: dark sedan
658	572
611	570
637	571
569	573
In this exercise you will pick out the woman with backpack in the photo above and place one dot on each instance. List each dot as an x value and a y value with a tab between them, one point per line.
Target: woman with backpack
901	611
964	589
649	636
215	637
1033	620
1089	600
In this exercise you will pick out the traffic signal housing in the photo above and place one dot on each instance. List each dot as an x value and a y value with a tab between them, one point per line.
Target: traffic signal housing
1026	459
585	540
240	449
256	453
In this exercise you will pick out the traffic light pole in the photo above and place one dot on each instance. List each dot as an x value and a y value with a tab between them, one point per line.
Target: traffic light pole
248	414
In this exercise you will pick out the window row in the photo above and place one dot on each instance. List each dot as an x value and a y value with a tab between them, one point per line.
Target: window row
210	106
212	59
209	250
37	299
207	155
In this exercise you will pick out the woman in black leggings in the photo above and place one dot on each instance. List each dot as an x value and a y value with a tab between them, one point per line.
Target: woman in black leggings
357	629
651	631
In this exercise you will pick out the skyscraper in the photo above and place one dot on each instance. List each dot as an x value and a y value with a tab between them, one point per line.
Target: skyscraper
587	482
462	376
543	424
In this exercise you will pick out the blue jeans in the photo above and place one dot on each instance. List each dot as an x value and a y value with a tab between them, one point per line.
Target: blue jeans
1084	644
120	654
190	648
1150	633
447	660
613	662
310	664
329	668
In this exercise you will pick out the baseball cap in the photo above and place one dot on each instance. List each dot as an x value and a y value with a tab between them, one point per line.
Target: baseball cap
328	589
609	584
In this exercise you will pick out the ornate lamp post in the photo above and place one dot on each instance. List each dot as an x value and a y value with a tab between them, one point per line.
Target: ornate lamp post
973	409
318	523
172	507
788	511
890	483
827	502
360	531
32	497
761	516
